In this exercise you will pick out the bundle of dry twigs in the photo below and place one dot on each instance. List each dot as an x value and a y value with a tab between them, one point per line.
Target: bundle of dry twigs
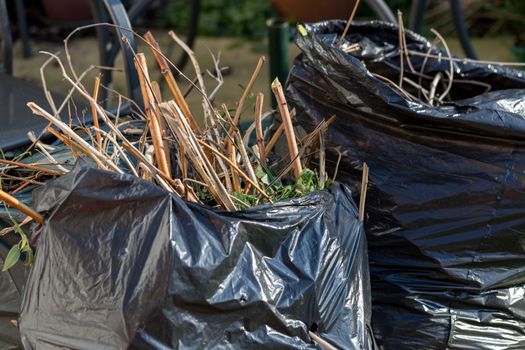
415	84
213	162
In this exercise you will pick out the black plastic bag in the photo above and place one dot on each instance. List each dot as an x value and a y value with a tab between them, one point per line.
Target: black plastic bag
11	285
120	261
446	202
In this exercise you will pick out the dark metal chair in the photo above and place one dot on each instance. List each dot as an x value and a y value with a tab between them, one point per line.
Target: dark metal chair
16	119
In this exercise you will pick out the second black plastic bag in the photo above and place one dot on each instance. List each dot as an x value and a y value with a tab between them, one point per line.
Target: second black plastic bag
121	262
446	201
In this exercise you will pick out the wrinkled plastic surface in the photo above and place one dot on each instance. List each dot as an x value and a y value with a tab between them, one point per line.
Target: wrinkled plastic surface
11	285
120	262
445	205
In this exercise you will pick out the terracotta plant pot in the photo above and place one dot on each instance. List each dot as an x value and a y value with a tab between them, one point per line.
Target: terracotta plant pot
314	10
68	11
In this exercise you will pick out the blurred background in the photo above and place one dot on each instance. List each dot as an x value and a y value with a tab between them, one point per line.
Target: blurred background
235	31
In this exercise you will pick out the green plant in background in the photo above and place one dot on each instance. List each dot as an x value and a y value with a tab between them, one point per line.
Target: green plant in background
239	18
509	17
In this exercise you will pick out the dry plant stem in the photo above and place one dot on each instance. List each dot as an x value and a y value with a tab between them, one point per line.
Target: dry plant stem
162	123
352	48
336	170
404	40
195	153
306	142
156	173
49	98
433	87
275	137
15	203
362	198
288	127
322	162
467	60
32	167
237	117
258	125
67	142
149	106
119	149
245	158
417	86
47	93
191	55
451	64
401	48
206	104
398	88
241	173
242	149
7	230
349	22
310	157
170	80
423	65
97	156
322	343
95	115
25	184
156	91
230	148
24	180
316	141
251	128
238	110
273	140
233	164
219	79
43	149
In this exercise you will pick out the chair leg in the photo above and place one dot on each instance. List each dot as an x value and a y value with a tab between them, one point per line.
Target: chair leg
22	26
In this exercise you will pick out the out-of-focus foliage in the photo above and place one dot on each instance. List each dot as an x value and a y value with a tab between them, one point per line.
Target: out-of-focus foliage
239	18
509	16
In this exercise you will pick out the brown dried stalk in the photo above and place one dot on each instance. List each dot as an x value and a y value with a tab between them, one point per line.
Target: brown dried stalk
258	125
401	47
15	203
349	22
95	114
32	167
239	171
322	343
288	127
240	105
151	114
195	153
100	158
170	80
362	198
451	65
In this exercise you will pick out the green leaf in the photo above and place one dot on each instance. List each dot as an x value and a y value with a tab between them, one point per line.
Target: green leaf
12	258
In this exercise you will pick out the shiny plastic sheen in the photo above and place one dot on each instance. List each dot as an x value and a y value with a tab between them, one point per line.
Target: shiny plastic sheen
120	262
446	200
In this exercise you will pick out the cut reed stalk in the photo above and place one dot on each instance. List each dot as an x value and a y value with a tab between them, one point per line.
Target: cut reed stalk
15	203
362	197
95	114
288	127
149	106
170	80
